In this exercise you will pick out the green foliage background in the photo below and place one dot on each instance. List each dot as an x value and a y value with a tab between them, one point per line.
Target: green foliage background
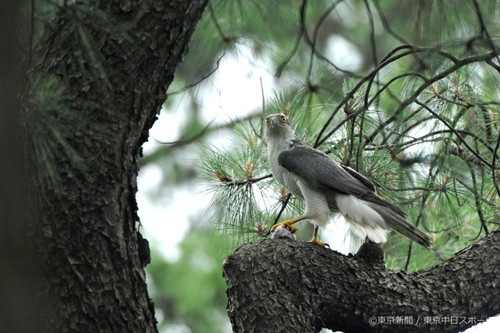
435	100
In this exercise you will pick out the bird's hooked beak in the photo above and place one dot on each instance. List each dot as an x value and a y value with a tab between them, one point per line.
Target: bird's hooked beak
272	122
277	124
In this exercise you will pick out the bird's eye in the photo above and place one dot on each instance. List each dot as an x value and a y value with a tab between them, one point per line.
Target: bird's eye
283	119
266	121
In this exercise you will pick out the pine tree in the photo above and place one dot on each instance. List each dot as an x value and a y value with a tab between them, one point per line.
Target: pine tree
97	74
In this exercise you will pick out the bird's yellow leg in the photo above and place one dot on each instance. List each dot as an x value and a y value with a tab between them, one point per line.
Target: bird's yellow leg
288	223
315	240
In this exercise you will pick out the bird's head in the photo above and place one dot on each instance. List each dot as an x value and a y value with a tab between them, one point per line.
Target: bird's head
277	125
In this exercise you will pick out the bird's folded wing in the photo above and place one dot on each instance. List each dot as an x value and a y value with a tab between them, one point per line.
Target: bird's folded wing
319	170
368	183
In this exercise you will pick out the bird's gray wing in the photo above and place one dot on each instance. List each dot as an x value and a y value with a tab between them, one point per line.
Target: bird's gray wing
368	183
320	170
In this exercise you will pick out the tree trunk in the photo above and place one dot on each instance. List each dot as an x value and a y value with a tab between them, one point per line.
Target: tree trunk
114	60
291	286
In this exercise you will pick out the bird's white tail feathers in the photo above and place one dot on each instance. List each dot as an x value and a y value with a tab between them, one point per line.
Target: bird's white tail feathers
363	220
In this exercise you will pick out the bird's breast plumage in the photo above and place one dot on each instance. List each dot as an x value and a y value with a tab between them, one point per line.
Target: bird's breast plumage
285	178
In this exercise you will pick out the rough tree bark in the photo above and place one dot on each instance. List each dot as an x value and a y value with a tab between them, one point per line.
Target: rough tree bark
115	60
290	286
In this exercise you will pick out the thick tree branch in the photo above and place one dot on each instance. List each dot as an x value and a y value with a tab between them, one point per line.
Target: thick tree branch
291	286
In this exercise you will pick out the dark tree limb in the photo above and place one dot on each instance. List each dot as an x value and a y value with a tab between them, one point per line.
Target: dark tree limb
291	286
113	61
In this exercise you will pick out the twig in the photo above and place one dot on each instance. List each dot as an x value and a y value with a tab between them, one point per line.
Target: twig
312	43
284	203
183	142
483	26
389	58
430	179
461	139
207	129
248	181
285	62
461	63
194	84
373	45
483	199
477	200
494	162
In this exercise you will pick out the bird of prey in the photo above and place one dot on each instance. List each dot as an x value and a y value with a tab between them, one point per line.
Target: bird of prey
327	186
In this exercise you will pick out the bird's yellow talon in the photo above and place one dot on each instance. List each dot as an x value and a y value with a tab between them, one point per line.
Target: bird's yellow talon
317	242
288	224
284	225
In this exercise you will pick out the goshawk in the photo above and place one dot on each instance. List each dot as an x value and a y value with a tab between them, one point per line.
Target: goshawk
327	186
